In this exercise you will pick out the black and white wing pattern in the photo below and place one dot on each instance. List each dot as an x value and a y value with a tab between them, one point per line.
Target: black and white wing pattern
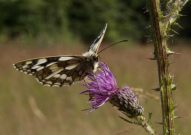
63	70
56	71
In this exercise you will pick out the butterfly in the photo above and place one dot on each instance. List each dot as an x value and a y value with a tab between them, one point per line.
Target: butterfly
63	70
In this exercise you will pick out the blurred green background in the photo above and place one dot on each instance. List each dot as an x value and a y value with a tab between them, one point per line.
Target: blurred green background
36	28
66	20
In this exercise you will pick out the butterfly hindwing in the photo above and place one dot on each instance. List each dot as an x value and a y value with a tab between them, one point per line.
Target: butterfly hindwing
56	71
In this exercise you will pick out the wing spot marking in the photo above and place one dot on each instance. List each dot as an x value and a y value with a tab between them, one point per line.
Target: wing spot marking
40	68
50	64
25	66
71	67
53	74
65	58
28	62
56	76
35	67
63	76
41	61
69	78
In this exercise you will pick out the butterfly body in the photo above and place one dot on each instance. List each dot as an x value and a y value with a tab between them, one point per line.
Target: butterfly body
63	70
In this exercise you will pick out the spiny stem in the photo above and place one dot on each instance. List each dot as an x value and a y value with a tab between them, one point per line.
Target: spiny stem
163	16
163	64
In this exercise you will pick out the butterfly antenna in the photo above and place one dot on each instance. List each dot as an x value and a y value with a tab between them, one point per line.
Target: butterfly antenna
111	45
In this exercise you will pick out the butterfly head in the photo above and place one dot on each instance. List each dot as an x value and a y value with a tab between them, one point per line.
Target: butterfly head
91	56
92	59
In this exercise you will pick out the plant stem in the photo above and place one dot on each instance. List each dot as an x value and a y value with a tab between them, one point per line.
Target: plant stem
142	121
165	80
163	17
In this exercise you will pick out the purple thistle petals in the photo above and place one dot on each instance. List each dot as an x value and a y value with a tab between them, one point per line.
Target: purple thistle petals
101	86
98	101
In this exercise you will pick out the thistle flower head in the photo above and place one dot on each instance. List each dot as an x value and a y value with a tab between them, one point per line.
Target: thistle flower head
102	87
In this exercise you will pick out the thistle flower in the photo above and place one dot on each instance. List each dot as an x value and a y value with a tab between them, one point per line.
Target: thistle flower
102	87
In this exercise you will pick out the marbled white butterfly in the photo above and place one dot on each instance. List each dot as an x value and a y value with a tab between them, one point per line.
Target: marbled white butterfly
63	70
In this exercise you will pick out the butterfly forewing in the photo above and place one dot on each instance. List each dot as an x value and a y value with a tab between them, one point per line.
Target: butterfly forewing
97	42
56	71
